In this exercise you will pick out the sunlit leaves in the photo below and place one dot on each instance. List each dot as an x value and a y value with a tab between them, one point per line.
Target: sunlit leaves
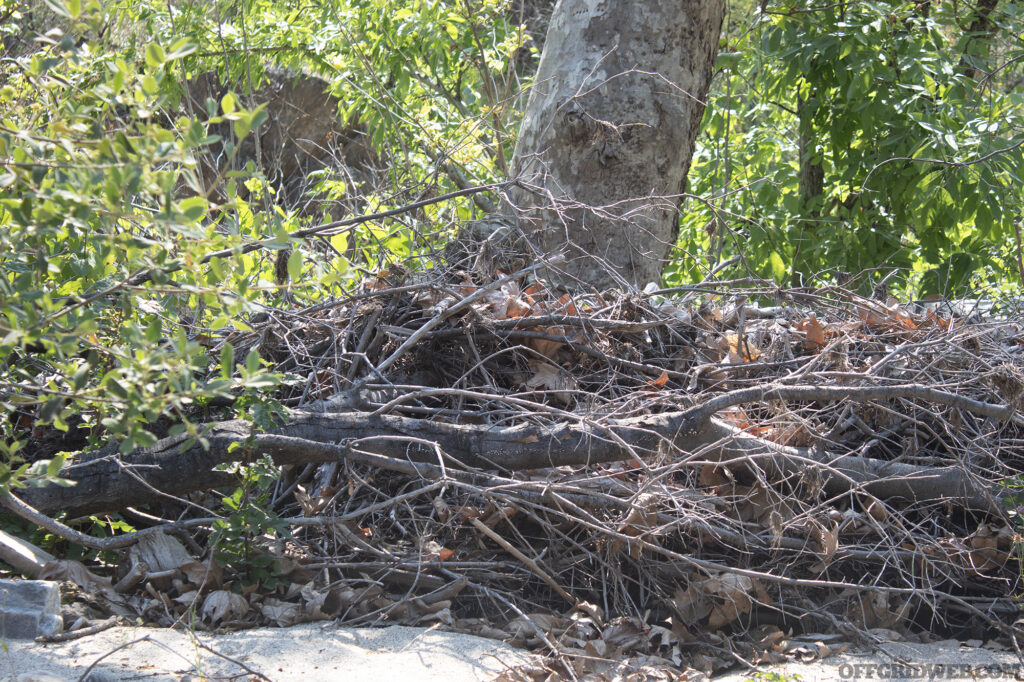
98	187
918	160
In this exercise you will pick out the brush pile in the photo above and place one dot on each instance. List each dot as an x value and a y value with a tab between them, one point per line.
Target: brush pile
685	478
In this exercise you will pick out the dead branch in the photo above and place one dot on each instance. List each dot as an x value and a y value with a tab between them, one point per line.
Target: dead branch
179	465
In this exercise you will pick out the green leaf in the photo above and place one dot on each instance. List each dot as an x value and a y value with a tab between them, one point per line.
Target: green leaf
228	104
252	362
241	128
155	55
193	208
54	466
262	381
778	266
51	408
295	265
154	330
117	388
80	378
729	60
149	85
144	438
60	8
181	48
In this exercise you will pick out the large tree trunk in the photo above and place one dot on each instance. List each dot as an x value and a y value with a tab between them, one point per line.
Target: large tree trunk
609	131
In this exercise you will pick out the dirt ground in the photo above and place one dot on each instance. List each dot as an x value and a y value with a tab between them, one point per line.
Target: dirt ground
318	651
312	652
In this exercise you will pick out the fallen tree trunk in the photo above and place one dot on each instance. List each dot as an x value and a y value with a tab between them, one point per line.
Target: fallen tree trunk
176	466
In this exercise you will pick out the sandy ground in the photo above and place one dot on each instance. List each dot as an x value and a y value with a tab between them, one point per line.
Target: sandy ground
947	660
319	651
310	653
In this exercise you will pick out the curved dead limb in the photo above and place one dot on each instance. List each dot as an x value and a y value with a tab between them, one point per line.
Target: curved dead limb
33	515
176	465
845	473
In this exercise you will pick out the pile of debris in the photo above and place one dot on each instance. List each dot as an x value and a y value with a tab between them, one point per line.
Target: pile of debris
700	475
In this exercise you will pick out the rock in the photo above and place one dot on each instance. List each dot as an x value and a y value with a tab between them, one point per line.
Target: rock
29	609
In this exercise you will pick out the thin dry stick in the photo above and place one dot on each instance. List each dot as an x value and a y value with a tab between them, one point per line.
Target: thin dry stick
527	561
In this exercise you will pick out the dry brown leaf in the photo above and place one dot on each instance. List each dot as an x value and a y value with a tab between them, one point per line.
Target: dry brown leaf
728	611
549	377
680	631
426	298
735	416
623	634
876	510
814	333
203	574
282	613
566	306
740	349
887	316
309	506
660	381
828	539
712	476
546	347
527	626
641	518
754	505
985	553
222	606
794	435
936	320
508	302
691	605
873	610
468	512
775	638
187	598
77	573
444	512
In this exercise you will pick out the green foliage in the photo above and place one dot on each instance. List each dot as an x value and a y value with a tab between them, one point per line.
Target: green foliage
113	314
772	676
239	538
920	161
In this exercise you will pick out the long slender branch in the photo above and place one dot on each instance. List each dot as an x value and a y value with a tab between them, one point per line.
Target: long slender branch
335	226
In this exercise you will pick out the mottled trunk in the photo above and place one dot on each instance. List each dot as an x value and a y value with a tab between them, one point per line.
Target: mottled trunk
609	132
812	184
977	42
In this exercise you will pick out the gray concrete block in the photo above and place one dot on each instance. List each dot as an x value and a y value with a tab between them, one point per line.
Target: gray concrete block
29	608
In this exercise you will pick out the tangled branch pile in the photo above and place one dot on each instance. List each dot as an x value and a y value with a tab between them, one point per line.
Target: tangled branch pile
729	469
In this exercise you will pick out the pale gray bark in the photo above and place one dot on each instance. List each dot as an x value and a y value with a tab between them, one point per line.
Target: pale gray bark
609	132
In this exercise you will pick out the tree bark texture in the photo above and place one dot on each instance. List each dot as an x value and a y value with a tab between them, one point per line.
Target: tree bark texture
609	131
